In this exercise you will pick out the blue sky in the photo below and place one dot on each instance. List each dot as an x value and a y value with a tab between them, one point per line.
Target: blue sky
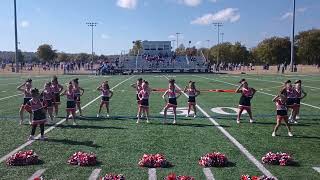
61	23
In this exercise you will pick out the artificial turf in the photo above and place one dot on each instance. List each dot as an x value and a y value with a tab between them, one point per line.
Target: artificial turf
119	142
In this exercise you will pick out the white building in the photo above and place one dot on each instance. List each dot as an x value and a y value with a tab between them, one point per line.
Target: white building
156	47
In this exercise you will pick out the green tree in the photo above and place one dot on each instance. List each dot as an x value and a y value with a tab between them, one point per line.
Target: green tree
20	56
61	57
308	43
137	47
181	50
46	53
274	50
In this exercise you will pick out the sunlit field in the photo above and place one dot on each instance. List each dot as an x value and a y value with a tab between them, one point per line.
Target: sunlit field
119	142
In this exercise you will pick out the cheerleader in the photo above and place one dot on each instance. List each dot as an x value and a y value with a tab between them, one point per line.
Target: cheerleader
57	89
245	100
289	92
25	88
144	101
282	113
78	91
192	94
47	96
38	114
138	87
71	103
106	95
173	94
300	95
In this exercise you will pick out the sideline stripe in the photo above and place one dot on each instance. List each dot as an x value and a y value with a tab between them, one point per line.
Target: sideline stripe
208	173
317	169
54	126
316	107
10	97
95	174
37	174
152	174
234	141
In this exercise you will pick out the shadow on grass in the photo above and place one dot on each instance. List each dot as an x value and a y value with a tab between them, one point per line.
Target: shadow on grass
88	127
72	142
303	137
187	125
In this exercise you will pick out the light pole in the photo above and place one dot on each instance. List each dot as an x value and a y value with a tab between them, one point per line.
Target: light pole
292	35
218	25
178	39
92	24
222	34
16	37
208	49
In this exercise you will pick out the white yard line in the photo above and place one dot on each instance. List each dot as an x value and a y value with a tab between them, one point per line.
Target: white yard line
95	174
208	173
309	105
4	98
54	126
316	169
234	141
152	174
37	174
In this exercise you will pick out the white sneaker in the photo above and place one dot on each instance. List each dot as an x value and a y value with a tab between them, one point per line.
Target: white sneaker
290	134
297	117
98	115
43	138
138	121
194	116
238	121
174	122
273	134
251	121
31	138
295	122
148	121
74	123
108	115
187	115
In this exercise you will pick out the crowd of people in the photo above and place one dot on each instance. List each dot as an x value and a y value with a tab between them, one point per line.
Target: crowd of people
40	103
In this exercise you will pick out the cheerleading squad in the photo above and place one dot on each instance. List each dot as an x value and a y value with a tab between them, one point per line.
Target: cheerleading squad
39	103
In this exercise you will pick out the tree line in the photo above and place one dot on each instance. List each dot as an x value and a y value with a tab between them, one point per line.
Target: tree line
273	50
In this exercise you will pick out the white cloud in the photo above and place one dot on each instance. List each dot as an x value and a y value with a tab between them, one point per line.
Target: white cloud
127	4
228	14
172	36
290	14
198	44
191	3
105	36
302	9
25	24
214	1
286	15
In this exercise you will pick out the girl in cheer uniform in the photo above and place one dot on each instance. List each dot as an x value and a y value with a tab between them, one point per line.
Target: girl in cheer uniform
300	95
106	95
71	103
289	92
47	96
25	88
38	114
245	100
138	87
173	94
282	113
57	89
192	94
78	91
144	101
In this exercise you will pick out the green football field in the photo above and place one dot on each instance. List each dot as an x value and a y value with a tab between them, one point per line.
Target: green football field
119	142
